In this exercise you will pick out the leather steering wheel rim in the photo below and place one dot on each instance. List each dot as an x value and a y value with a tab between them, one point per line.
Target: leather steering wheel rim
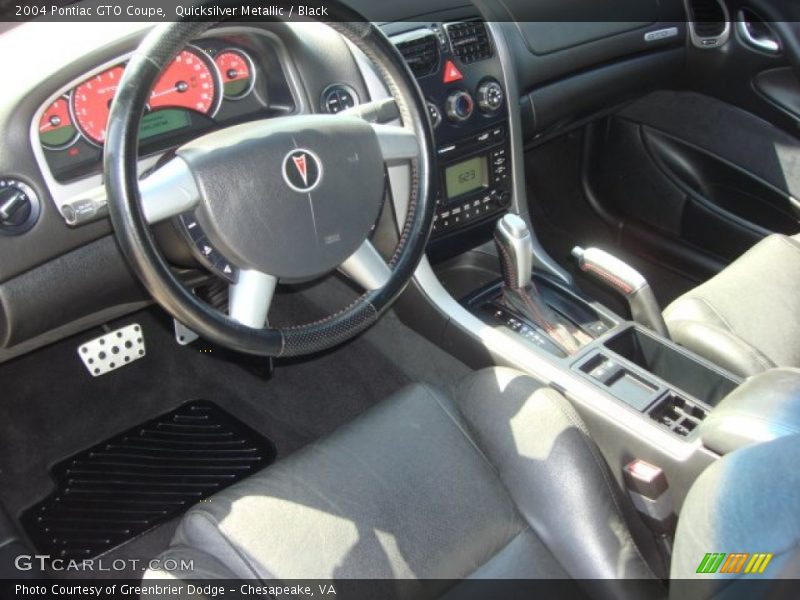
137	243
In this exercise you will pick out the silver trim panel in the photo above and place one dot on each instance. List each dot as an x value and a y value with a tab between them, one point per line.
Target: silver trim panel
661	34
541	259
709	43
762	44
398	144
168	192
251	297
367	267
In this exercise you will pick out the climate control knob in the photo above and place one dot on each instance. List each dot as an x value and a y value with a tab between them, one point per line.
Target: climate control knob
490	96
459	106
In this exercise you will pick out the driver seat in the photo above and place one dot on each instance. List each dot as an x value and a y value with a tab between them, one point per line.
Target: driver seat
503	483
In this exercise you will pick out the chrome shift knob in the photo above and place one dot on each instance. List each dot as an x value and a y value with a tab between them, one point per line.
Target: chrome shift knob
515	246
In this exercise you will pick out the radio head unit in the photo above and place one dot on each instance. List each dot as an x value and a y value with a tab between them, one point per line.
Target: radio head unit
474	181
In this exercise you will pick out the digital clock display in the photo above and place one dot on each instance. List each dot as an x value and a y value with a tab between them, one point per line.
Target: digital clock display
467	176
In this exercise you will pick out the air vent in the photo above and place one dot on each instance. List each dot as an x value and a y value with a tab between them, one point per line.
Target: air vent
709	23
420	50
470	41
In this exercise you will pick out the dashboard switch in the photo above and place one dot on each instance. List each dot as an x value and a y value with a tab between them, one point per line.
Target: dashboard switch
338	97
19	207
451	72
10	205
435	115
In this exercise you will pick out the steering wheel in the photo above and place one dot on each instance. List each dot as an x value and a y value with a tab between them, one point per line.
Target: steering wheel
290	198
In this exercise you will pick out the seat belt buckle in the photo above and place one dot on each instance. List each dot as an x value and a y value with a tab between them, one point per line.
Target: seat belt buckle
649	491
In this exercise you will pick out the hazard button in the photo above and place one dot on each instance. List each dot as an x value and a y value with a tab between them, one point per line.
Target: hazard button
451	72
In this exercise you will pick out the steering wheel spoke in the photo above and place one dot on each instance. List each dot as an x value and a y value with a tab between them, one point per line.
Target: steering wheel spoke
168	192
367	267
251	297
398	144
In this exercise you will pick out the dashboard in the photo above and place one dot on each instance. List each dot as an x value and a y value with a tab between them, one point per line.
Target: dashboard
481	85
214	83
58	278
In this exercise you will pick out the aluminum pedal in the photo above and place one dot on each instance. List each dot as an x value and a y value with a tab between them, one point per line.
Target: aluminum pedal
113	350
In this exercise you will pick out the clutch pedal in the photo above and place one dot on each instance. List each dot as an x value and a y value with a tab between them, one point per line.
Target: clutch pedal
113	350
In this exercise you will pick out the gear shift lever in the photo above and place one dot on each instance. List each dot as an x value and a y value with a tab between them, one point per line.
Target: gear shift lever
515	247
514	242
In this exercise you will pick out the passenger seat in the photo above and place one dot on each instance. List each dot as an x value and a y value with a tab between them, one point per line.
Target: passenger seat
747	318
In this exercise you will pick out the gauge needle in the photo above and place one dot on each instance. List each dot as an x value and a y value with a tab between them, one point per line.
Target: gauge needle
180	87
50	124
164	93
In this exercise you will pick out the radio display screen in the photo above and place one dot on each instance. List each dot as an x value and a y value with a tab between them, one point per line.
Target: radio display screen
467	176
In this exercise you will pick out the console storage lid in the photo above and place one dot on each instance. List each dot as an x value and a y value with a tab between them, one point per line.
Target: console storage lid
766	406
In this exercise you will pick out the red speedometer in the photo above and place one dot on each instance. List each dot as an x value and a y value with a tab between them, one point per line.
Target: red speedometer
190	82
91	101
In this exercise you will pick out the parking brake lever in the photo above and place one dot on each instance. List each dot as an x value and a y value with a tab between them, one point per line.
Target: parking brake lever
626	280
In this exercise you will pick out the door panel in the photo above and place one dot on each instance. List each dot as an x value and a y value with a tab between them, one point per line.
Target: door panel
697	171
723	188
709	169
781	87
679	190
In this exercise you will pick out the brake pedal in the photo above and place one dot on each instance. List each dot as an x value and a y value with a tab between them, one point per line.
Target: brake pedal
113	350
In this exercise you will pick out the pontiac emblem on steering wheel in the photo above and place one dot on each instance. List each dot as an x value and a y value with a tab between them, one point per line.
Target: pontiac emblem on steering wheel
302	170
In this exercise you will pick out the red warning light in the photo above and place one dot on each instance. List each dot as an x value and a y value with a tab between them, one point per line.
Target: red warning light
451	72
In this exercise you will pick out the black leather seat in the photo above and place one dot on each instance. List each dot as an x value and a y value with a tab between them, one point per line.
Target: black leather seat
503	483
747	318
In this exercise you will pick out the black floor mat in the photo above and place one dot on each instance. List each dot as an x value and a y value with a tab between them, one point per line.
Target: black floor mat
125	486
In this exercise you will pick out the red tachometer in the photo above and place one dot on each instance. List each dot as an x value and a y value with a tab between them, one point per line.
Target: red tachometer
189	82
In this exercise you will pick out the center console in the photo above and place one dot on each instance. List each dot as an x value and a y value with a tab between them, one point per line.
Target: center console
642	396
459	72
640	368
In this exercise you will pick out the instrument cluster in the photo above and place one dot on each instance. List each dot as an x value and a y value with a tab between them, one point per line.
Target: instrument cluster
207	85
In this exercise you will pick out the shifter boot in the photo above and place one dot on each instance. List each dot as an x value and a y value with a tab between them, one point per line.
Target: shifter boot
527	302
